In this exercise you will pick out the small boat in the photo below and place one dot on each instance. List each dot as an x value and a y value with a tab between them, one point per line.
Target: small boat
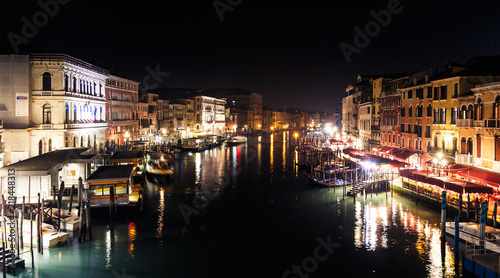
193	144
159	165
236	140
50	236
469	232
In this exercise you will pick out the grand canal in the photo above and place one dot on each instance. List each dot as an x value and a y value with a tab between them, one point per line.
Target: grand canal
247	211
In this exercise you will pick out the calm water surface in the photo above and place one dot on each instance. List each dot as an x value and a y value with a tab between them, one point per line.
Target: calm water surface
247	211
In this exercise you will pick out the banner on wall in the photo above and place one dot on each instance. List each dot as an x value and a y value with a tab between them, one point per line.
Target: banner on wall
22	104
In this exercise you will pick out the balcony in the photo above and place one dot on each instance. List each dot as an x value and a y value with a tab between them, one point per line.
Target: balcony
86	125
464	159
465	123
446	152
480	123
387	128
490	123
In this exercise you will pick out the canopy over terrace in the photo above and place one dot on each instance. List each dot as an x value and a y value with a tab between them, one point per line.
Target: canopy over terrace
459	186
40	173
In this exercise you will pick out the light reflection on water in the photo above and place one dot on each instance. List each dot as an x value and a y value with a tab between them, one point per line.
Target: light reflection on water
371	231
267	217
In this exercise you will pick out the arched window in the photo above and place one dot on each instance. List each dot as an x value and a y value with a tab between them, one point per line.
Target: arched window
463	145
470	112
463	112
50	145
470	145
429	110
47	114
88	141
46	81
74	84
75	141
66	83
75	113
479	110
81	141
410	111
40	147
403	112
66	109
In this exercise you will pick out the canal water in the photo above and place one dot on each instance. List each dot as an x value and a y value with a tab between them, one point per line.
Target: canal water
247	211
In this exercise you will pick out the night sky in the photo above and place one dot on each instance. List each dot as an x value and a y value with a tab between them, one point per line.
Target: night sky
287	51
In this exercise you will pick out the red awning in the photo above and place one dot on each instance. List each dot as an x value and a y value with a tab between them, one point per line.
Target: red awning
404	154
398	164
458	186
485	176
386	149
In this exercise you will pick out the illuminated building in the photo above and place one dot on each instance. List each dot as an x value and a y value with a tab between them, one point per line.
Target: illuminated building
485	116
416	115
147	115
68	104
121	95
210	115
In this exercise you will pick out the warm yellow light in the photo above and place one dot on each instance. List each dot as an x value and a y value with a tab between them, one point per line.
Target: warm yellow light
284	126
444	162
296	135
440	155
435	160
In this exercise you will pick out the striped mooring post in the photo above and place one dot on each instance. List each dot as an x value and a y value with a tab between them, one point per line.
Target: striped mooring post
443	215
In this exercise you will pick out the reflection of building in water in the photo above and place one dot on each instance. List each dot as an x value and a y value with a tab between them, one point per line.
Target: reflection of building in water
161	213
271	158
372	223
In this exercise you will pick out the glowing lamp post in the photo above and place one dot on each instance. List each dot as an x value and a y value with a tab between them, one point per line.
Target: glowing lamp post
126	135
439	162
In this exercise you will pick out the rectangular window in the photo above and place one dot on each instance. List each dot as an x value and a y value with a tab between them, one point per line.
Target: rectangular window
443	116
444	92
436	116
455	90
428	131
478	146
429	92
454	113
497	148
402	128
410	94
436	93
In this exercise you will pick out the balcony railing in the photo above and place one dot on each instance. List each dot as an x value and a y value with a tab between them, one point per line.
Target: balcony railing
464	158
387	128
465	123
85	125
491	123
446	152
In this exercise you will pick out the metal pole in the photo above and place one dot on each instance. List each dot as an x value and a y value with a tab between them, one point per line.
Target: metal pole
457	237
443	215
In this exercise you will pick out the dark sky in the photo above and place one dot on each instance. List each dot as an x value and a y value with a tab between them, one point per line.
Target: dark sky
286	50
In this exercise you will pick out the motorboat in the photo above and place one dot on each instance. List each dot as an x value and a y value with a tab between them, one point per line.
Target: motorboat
236	140
159	165
469	232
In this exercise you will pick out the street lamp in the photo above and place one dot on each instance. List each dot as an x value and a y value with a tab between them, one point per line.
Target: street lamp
126	135
439	162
